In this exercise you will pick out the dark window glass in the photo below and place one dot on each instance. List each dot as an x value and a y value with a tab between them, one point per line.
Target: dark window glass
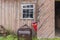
31	6
28	13
24	6
31	15
27	6
31	11
24	11
24	15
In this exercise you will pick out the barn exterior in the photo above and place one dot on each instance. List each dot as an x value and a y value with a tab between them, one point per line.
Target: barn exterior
12	19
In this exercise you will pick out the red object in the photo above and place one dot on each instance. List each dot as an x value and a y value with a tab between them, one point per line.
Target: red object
34	26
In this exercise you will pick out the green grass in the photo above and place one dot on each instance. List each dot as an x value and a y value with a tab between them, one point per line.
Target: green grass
13	37
9	37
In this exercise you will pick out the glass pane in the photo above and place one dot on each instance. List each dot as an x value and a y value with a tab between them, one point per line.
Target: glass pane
24	11
27	6
31	15
31	6
27	11
24	15
31	11
24	6
28	15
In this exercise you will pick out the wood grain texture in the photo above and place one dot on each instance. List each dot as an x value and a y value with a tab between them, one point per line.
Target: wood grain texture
46	22
10	16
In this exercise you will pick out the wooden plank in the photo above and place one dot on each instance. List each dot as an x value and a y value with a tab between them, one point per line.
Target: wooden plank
46	19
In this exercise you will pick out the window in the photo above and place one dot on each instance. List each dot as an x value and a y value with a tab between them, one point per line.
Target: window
28	11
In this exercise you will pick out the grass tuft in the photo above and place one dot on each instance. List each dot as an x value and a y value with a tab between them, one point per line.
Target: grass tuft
14	37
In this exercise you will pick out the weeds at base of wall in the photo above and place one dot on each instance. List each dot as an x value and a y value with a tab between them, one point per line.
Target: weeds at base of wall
14	37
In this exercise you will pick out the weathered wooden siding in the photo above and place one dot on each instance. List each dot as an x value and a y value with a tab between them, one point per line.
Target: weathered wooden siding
46	26
10	16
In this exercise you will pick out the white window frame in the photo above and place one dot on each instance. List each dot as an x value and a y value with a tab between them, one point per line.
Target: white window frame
27	8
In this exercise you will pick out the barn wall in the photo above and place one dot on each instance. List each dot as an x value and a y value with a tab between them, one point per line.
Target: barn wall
46	23
10	14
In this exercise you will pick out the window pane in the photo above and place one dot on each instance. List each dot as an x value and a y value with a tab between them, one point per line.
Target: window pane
27	6
31	6
24	6
24	15
24	11
31	15
31	11
28	15
27	11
